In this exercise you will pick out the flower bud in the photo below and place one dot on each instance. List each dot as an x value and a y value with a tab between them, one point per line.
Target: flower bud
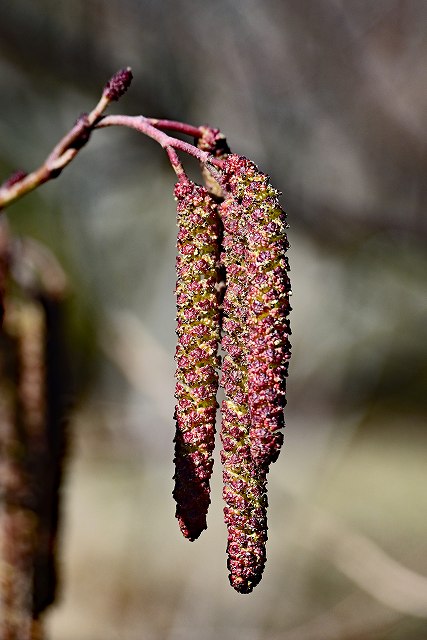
118	84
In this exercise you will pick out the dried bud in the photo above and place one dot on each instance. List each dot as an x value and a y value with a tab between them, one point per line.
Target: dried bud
215	143
118	84
262	223
196	354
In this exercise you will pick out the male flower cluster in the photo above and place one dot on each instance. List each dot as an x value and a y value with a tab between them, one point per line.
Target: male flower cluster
196	354
242	236
262	225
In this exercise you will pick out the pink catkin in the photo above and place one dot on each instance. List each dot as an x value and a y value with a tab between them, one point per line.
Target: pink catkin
244	490
244	482
262	224
196	354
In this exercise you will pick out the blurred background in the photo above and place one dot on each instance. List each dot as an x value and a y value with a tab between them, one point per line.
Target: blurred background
330	98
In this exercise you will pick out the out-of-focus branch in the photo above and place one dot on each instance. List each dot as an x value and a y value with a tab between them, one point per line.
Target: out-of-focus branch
33	435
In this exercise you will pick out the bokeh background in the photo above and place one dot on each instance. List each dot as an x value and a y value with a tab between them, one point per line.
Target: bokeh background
330	98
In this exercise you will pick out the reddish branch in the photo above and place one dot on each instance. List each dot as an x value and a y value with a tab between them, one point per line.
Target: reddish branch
69	146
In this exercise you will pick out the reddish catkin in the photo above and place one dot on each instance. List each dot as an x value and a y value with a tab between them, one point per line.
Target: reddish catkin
263	224
244	483
196	354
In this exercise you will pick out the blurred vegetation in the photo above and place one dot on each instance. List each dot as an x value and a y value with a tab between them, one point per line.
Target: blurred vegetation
330	99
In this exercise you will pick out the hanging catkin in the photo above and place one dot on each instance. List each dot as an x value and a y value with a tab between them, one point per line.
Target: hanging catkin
244	483
263	224
196	354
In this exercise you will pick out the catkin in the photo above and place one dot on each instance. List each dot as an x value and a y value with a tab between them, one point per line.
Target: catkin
263	224
244	483
196	354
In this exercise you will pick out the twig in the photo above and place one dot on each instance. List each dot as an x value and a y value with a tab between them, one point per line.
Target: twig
179	127
69	146
144	126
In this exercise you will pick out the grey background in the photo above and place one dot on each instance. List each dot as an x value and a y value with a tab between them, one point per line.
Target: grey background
329	98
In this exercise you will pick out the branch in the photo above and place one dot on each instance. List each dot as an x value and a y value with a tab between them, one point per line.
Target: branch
179	127
68	147
145	126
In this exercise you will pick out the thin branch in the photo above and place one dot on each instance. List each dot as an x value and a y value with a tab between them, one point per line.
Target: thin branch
143	125
179	127
68	147
176	164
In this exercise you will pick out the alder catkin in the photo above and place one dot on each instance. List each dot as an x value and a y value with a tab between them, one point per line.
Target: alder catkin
196	354
263	224
244	490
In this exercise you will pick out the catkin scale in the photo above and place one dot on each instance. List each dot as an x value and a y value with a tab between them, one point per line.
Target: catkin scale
196	354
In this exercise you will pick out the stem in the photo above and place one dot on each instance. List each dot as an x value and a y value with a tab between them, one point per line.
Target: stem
176	164
143	125
69	146
62	154
173	125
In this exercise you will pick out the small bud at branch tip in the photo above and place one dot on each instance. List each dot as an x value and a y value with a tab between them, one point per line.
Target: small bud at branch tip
118	84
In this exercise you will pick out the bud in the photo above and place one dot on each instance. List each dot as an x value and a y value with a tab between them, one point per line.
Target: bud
215	143
118	84
196	354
